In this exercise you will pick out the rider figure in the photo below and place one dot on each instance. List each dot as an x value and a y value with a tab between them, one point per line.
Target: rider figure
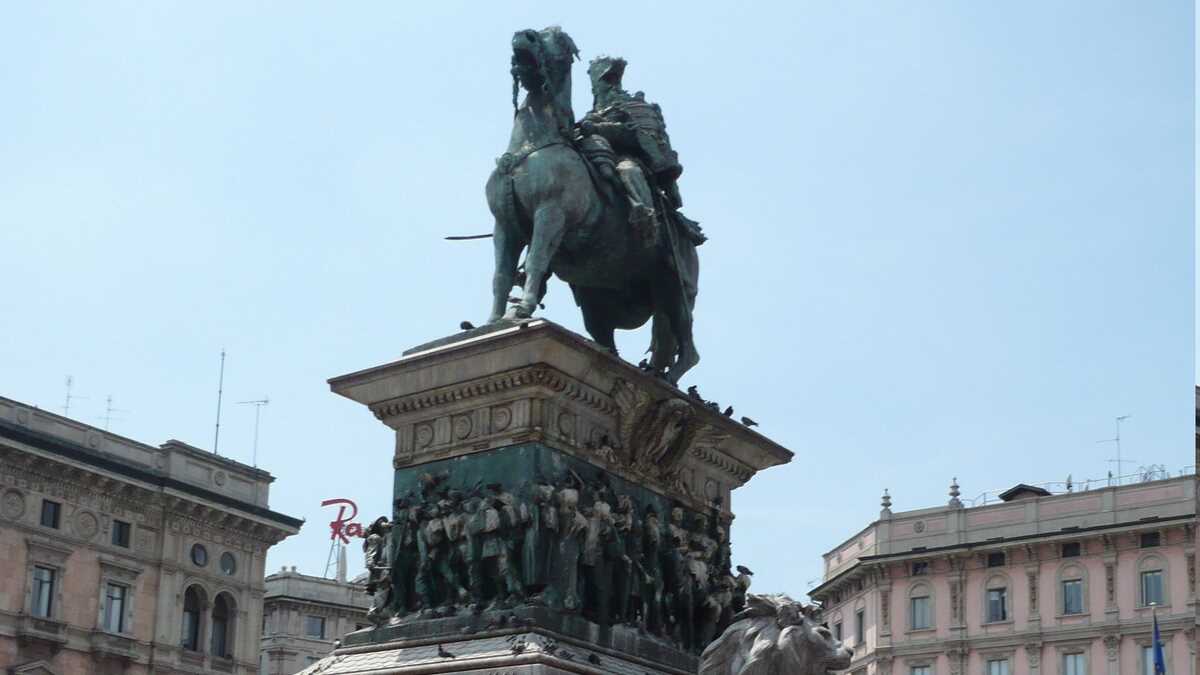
621	134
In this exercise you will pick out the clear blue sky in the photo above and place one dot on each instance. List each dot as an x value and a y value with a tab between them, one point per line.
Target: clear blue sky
947	238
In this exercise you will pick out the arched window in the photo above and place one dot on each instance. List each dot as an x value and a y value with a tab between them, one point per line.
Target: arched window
920	607
222	626
997	603
1072	589
194	601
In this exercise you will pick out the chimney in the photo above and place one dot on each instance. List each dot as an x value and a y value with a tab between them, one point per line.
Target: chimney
341	564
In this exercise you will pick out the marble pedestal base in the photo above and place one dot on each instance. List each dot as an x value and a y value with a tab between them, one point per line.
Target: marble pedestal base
498	652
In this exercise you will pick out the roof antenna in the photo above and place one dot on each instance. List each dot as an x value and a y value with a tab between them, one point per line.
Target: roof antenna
109	410
70	397
258	406
220	387
1118	461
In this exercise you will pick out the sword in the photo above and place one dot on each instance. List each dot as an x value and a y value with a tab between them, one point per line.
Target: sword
465	237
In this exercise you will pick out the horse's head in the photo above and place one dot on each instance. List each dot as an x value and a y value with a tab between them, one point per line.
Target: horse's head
541	60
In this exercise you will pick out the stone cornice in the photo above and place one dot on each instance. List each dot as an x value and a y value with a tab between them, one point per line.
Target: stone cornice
538	375
33	447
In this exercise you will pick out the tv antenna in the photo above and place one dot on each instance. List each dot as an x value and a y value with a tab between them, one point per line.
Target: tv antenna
258	406
220	386
109	410
70	397
1117	440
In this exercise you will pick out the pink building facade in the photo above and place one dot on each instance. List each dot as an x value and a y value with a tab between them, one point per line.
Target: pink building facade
119	558
1036	584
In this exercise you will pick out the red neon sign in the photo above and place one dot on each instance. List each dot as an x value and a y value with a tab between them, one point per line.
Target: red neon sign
341	528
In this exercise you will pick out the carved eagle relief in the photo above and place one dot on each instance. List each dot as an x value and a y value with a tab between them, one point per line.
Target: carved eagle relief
656	435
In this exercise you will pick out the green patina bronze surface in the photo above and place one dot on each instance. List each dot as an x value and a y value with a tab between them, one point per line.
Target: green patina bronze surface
595	203
528	526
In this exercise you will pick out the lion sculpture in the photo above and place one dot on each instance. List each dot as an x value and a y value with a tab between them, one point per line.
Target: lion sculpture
774	635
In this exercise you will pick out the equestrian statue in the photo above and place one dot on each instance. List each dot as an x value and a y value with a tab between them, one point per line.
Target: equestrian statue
594	202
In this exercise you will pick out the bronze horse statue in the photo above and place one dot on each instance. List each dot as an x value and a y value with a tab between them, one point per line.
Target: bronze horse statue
545	196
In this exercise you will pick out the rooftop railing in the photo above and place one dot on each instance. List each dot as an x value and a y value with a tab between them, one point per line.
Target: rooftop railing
1144	474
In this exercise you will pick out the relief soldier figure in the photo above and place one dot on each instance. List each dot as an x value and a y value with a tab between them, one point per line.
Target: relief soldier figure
377	552
541	532
629	570
572	530
601	551
405	559
653	557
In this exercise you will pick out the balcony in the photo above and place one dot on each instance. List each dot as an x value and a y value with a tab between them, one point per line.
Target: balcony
113	645
38	629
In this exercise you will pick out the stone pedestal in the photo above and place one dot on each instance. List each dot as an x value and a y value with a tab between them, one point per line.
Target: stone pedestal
518	448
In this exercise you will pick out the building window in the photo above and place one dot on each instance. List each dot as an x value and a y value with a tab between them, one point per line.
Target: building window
193	609
1152	588
314	626
1072	593
228	564
997	604
1147	666
837	631
860	627
1150	539
114	607
1071	550
995	559
922	612
43	591
199	555
50	513
1073	664
997	667
222	615
921	670
120	533
920	569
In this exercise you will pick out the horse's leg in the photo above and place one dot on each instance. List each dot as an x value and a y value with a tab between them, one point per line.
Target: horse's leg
508	249
662	342
549	224
594	305
672	302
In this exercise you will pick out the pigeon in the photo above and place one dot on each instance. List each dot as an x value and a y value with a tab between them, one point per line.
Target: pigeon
713	405
749	422
466	325
594	659
694	393
729	411
443	653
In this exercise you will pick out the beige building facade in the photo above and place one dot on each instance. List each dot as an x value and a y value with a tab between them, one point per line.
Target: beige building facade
303	616
121	557
1033	584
